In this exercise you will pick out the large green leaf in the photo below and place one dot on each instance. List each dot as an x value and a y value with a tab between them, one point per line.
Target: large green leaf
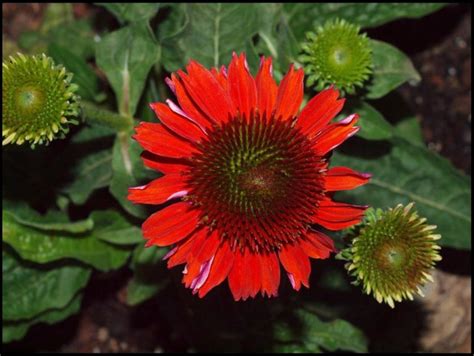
91	172
126	56
16	330
140	12
150	95
52	221
29	290
148	278
91	132
305	17
78	32
391	69
411	173
287	44
313	335
373	125
84	76
267	13
42	246
410	129
169	32
128	171
208	33
111	226
78	36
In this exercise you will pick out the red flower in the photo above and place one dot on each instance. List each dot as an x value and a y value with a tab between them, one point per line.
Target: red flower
247	174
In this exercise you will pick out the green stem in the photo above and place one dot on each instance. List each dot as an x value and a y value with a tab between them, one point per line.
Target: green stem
94	114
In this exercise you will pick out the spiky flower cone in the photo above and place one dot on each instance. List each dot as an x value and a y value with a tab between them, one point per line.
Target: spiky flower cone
248	177
39	100
337	54
392	253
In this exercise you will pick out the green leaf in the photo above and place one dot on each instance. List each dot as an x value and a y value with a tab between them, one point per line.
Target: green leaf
77	36
210	34
150	95
91	172
373	125
305	17
143	286
52	221
267	14
288	45
147	255
128	171
315	334
91	132
112	227
148	278
140	12
126	56
32	42
391	69
410	129
62	31
16	330
84	76
29	290
411	173
43	246
169	32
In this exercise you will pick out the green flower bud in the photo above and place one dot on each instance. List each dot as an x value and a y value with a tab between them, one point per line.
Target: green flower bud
337	54
39	100
392	253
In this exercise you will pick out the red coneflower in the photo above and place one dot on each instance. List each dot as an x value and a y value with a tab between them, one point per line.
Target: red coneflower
247	176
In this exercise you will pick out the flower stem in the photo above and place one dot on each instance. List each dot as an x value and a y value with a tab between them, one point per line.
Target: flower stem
93	114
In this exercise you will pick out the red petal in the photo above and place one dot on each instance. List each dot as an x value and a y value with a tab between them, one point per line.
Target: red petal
207	93
290	94
266	87
177	123
335	134
336	216
223	261
165	165
221	77
244	277
160	141
207	249
343	178
159	190
319	111
270	269
193	265
255	275
242	88
170	224
317	245
296	263
237	275
181	255
188	105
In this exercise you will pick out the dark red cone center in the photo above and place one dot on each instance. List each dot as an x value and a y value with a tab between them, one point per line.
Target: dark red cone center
257	180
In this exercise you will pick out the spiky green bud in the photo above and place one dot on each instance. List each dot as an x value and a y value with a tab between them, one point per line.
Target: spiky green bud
39	100
392	253
337	54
